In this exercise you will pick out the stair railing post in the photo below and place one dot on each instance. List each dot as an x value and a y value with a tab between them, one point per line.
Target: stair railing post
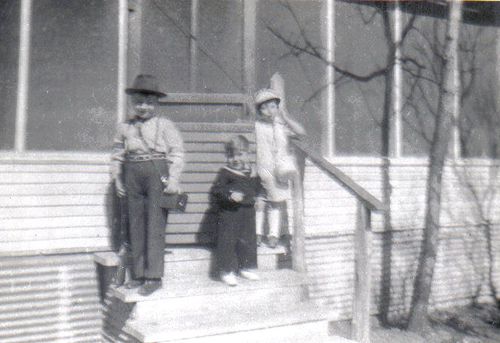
362	281
299	240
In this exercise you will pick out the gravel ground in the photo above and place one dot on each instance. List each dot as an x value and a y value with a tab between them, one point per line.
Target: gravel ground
471	324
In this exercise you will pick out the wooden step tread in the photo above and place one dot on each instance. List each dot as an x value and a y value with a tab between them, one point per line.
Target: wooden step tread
111	259
246	319
197	285
216	127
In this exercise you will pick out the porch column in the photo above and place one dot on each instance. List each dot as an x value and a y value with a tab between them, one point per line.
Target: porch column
397	85
122	60
328	114
23	75
193	46
249	53
455	138
249	35
135	8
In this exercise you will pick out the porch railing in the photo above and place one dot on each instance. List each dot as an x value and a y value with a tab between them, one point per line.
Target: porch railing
366	203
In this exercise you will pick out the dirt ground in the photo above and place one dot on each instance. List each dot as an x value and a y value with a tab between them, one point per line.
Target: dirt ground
471	324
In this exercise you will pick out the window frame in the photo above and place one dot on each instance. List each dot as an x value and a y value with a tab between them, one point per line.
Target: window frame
244	98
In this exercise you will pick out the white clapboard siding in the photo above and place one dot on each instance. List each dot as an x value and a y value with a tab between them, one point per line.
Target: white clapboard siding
51	201
10	178
53	211
463	257
49	246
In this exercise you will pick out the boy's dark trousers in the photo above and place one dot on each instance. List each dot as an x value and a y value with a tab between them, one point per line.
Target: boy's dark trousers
147	220
236	239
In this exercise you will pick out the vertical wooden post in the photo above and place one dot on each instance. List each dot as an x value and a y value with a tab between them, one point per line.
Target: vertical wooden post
362	281
299	242
121	99
397	83
249	50
249	36
455	139
23	75
497	64
134	38
299	239
328	118
193	46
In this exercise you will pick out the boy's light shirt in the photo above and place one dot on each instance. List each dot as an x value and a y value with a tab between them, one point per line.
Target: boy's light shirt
159	133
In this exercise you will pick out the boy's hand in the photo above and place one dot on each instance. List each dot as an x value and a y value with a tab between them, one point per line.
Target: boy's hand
172	187
236	196
120	188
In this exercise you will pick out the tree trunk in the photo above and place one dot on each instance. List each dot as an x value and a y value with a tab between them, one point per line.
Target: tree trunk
418	321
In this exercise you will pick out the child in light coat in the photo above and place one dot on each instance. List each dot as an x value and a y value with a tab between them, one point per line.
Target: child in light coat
276	165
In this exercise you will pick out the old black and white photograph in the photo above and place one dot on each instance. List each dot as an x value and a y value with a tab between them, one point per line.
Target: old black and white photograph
249	171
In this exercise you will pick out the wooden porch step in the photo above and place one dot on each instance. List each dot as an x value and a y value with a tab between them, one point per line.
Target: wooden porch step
276	323
202	285
198	260
200	294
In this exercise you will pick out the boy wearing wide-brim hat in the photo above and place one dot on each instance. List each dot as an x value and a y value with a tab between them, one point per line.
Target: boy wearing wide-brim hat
148	158
275	162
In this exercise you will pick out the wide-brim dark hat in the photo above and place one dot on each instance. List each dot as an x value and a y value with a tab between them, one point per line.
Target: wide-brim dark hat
145	84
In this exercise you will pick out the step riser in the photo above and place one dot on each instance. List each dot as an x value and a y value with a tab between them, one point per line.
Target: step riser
306	332
173	307
204	267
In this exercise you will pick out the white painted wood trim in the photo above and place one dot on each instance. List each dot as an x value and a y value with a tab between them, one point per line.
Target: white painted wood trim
397	84
205	98
121	106
455	140
408	161
193	45
134	38
328	139
249	37
23	75
44	157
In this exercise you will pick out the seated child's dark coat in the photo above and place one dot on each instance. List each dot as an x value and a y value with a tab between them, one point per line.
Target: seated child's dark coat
236	238
232	180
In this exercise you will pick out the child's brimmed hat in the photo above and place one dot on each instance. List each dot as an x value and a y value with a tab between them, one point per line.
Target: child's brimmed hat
265	95
145	84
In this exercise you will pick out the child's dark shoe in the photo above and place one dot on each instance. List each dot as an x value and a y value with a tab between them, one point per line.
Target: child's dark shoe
272	242
149	287
259	240
229	279
134	283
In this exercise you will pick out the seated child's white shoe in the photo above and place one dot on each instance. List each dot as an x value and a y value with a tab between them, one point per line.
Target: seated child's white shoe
229	279
249	275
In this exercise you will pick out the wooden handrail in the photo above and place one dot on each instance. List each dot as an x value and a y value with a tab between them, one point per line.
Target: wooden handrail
366	203
349	184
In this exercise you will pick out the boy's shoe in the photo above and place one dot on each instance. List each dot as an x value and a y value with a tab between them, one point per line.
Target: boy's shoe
249	275
259	240
149	287
136	283
229	279
272	242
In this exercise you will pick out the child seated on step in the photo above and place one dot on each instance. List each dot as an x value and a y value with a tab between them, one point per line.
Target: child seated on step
276	164
234	192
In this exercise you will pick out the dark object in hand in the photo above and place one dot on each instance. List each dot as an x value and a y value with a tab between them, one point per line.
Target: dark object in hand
176	202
